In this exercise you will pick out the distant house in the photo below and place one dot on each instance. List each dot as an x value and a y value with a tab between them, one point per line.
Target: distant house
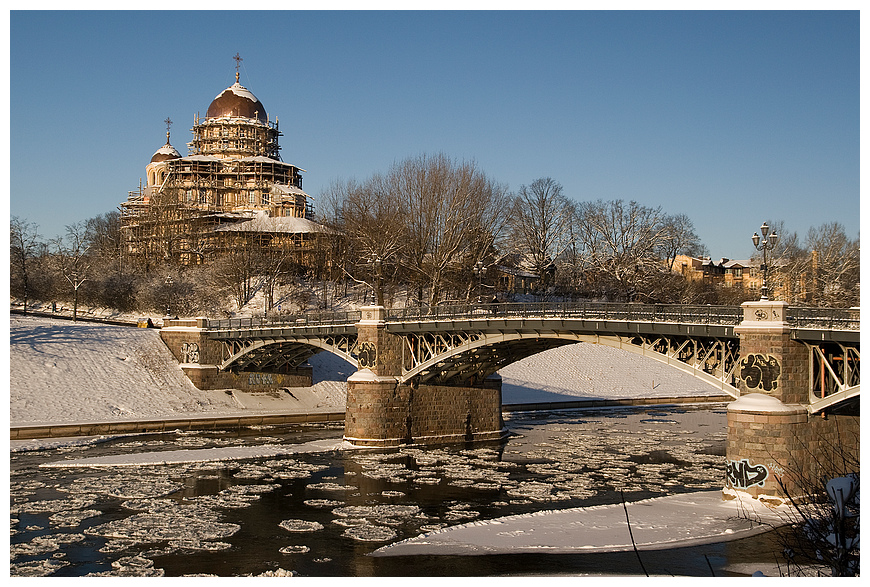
515	280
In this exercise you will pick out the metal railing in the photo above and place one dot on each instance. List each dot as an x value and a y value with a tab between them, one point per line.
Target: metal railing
722	315
824	318
306	319
819	318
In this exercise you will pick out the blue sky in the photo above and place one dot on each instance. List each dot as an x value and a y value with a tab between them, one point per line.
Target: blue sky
731	118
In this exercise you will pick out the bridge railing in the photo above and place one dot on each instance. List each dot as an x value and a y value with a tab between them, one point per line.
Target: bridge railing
306	319
820	318
824	318
726	315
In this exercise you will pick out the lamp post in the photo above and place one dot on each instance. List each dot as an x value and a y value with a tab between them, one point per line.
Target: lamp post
764	244
480	272
168	282
377	265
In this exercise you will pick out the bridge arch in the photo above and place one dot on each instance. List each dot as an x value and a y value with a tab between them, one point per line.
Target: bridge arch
266	354
478	355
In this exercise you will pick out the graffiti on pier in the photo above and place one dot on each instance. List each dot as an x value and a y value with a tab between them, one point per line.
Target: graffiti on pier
760	371
255	379
367	354
741	474
189	352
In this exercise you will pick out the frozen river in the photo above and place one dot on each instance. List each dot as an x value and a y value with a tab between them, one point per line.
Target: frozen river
322	513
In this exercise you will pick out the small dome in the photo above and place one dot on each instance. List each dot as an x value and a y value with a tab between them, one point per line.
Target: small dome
236	102
165	152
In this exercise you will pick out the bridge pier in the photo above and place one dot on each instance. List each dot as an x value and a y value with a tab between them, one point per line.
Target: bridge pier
199	357
383	411
776	446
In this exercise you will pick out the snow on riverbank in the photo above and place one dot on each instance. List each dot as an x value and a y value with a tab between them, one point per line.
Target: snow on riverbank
66	372
77	372
673	521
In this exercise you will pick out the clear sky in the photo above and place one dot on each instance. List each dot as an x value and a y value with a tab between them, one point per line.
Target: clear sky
731	118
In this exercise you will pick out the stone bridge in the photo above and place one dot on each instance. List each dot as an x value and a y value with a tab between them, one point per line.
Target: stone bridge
430	376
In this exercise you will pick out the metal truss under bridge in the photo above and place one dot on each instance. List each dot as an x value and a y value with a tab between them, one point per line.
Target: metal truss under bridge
462	345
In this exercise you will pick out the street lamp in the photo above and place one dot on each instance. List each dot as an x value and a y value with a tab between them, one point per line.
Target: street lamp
480	272
377	265
168	282
764	244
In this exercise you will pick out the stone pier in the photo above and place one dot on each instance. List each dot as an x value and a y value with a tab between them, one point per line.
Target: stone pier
774	443
382	411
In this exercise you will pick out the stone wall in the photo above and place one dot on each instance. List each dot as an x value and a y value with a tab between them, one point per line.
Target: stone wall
765	445
769	351
787	445
381	412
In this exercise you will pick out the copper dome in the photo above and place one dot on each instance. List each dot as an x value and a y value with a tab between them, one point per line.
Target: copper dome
237	102
165	152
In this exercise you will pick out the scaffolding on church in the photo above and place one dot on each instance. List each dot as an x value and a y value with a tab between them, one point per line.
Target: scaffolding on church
232	190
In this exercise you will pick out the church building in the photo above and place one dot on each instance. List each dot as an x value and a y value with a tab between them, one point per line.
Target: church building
232	190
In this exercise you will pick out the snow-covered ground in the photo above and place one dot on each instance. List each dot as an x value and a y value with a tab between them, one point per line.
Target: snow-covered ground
66	372
673	521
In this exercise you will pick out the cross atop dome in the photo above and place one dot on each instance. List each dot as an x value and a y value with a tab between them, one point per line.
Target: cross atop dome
239	60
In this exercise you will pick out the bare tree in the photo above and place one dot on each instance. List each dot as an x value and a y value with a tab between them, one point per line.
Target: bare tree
834	266
24	248
73	259
622	242
541	224
678	237
455	214
372	231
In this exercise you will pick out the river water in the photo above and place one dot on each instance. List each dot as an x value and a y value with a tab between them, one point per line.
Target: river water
322	514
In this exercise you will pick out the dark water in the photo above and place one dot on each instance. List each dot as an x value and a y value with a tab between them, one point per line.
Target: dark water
321	514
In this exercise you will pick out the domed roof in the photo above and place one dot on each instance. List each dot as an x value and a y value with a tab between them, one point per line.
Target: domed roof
237	102
165	152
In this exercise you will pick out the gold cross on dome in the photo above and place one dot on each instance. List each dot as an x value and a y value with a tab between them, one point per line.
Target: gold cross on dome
238	59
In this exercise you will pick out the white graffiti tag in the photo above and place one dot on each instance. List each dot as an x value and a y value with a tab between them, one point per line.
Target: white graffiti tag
741	474
190	352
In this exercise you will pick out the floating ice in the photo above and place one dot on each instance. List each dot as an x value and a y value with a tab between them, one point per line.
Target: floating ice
322	503
348	522
376	511
165	520
370	533
294	549
301	526
73	518
277	573
42	545
38	568
330	486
